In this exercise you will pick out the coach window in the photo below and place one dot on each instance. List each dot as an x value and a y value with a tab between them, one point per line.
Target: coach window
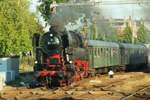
106	50
111	52
102	51
99	51
116	51
94	51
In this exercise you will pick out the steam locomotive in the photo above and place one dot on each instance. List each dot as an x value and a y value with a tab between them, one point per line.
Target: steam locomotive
61	58
66	57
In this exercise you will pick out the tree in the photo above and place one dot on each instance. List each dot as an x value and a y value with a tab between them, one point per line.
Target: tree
141	34
127	34
17	25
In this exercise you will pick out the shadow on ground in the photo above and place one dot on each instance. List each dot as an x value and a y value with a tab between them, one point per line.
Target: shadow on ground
21	80
138	69
64	98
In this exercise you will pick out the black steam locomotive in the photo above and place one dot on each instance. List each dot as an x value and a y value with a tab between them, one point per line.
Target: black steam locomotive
61	58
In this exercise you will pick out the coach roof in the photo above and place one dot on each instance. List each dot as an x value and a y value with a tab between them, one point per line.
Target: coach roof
102	43
127	45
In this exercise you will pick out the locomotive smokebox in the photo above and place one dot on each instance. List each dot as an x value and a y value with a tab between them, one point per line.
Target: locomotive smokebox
57	30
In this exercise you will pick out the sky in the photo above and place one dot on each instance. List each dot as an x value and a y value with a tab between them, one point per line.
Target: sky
136	11
114	11
33	8
33	5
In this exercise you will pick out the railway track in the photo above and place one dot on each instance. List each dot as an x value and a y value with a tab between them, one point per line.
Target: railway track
139	94
81	92
68	92
107	88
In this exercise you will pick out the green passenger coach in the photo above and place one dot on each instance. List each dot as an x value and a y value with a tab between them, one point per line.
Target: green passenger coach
103	54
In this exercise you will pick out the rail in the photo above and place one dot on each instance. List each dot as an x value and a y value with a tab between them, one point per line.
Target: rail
134	93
